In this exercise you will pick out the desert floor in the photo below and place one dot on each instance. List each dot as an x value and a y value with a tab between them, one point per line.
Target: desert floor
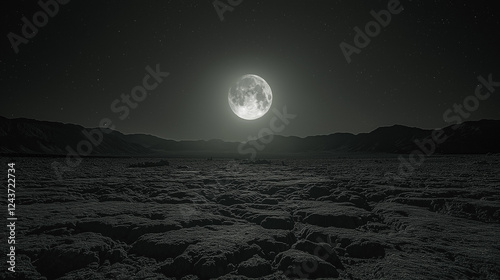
350	218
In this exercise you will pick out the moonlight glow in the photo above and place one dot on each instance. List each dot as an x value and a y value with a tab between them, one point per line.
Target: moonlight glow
250	97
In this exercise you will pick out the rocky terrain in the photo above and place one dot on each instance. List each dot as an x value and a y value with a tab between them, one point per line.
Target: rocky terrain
346	218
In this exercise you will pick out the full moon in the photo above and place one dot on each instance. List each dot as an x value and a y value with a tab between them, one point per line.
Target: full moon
250	97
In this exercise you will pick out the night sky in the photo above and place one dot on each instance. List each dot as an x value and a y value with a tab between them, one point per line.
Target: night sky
91	52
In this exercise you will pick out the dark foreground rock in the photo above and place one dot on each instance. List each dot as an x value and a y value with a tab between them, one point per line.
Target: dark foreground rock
295	263
340	218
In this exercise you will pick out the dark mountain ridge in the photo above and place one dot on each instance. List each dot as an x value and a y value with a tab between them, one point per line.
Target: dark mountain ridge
32	137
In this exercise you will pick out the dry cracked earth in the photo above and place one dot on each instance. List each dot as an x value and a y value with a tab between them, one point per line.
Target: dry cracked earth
346	218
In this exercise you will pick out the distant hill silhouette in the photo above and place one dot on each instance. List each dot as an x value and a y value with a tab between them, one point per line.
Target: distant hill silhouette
32	137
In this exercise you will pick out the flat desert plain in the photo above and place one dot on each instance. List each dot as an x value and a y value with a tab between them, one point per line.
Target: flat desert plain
345	218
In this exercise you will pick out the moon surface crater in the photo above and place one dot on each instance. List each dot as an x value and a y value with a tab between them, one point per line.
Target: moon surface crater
250	97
